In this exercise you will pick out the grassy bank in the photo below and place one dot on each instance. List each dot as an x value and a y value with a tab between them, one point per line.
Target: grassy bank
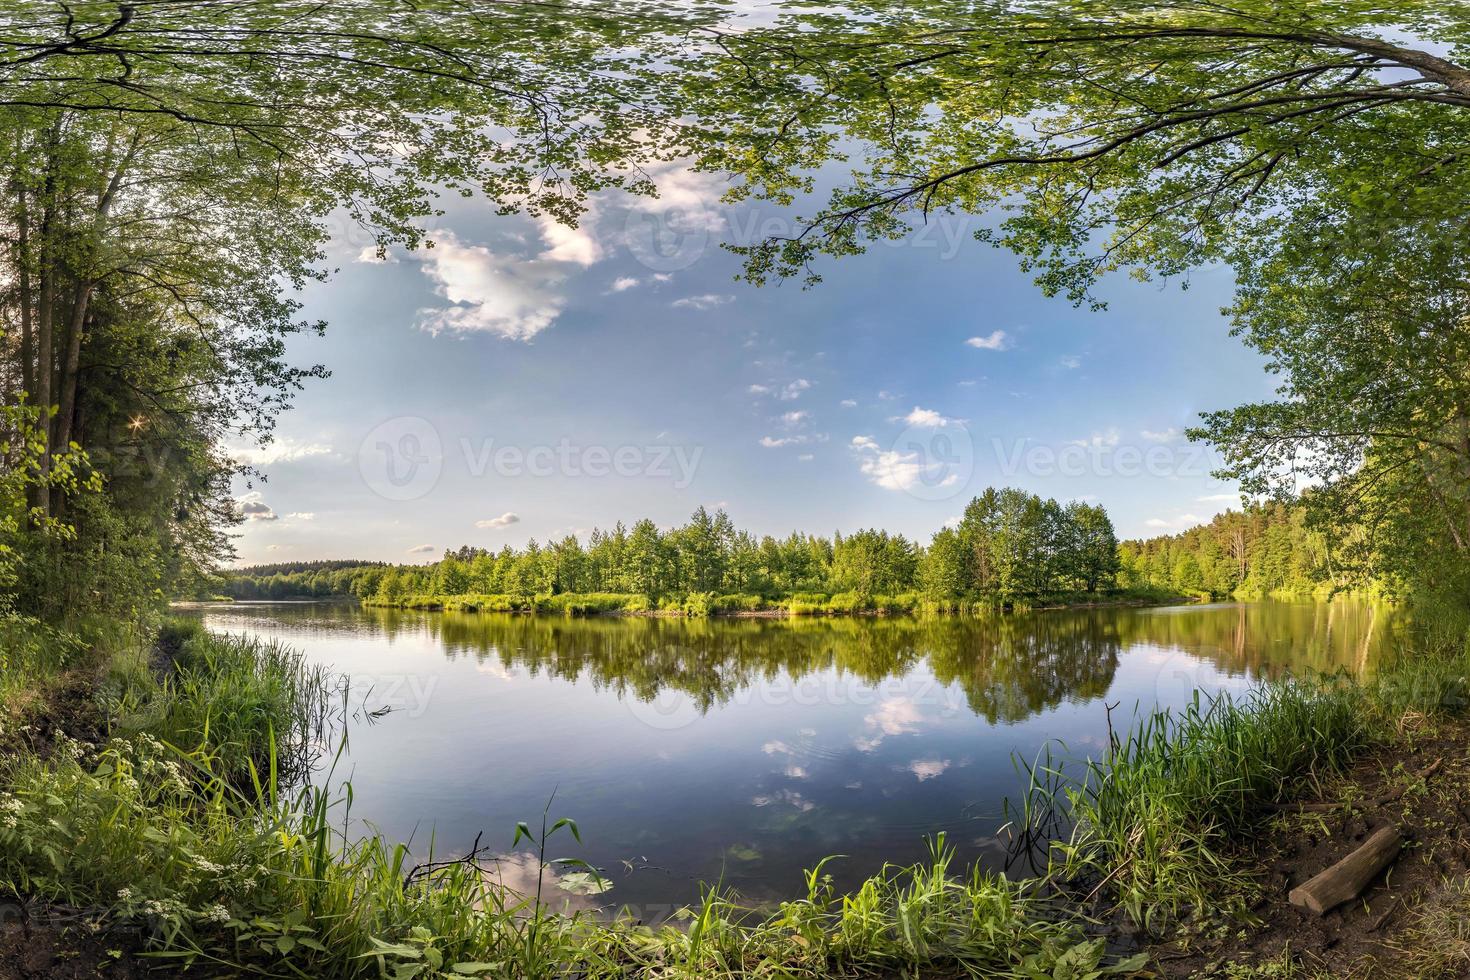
1157	821
745	604
180	817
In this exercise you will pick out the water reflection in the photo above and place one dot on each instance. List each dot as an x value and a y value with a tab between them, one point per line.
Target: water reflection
750	749
1009	667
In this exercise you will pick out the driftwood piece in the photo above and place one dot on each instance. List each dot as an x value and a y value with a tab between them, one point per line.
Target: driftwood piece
1346	879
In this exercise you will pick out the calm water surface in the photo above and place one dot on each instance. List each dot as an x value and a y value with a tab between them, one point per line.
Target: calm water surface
748	750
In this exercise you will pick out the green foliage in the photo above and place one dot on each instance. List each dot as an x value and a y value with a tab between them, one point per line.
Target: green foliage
1266	550
1010	548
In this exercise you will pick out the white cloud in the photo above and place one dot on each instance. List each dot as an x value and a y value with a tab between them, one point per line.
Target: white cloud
793	390
253	508
488	292
1170	434
302	515
421	549
795	418
704	301
371	256
1099	440
806	457
278	451
848	403
891	469
1071	362
759	389
995	340
623	283
504	520
893	716
773	442
925	418
566	244
1156	522
887	396
1218	498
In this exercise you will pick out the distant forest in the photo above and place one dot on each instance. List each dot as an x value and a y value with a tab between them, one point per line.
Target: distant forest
1009	547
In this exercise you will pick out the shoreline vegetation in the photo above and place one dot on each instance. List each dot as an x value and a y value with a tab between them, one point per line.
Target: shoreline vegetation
1010	550
757	607
168	801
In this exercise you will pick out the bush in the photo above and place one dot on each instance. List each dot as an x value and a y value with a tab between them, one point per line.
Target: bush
591	603
740	602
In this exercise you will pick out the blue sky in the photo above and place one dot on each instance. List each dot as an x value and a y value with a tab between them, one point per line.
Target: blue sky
525	380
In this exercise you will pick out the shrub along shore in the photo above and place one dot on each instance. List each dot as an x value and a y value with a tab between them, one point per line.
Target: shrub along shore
699	604
173	802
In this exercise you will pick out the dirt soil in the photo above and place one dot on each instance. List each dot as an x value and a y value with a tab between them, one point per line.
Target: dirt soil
55	944
1364	938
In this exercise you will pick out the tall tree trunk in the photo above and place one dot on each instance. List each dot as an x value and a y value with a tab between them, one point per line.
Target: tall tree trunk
66	414
66	418
23	259
45	312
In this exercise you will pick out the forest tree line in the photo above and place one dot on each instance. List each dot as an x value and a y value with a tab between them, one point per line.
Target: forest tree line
1009	547
1266	550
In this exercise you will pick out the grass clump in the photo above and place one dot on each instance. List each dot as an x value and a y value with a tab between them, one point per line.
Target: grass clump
1157	821
1154	818
244	704
1437	945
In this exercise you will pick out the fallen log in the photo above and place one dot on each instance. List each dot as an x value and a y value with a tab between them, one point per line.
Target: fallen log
1346	879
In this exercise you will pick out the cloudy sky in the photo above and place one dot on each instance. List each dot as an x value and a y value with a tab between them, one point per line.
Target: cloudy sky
521	379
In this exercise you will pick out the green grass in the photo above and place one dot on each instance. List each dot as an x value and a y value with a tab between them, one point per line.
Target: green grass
245	704
700	604
1155	818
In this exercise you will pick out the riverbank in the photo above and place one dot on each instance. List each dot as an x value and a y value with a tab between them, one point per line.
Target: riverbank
1412	921
205	853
